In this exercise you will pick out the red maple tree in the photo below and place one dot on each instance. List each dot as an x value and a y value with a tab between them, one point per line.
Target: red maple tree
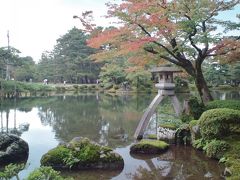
182	32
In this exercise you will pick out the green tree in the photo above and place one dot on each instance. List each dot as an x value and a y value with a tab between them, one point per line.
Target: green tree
69	61
235	74
26	70
216	74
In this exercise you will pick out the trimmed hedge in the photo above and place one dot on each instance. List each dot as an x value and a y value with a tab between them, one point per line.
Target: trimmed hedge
219	123
231	104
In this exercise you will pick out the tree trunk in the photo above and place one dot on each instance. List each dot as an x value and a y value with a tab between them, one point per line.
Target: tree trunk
202	87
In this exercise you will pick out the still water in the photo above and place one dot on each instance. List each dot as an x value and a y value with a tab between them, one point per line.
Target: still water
108	120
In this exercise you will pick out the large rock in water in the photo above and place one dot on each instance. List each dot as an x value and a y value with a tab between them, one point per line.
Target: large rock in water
81	153
149	147
12	149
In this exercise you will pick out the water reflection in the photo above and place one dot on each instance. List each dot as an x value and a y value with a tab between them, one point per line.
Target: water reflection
108	120
223	95
177	163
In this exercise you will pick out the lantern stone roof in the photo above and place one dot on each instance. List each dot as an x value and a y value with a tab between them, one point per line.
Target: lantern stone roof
165	69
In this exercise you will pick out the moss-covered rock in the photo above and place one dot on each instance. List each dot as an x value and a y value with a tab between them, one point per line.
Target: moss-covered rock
81	153
152	136
12	149
149	147
219	123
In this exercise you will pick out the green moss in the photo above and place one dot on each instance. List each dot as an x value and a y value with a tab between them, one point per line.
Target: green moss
55	156
154	143
231	104
152	136
169	126
219	123
149	146
193	123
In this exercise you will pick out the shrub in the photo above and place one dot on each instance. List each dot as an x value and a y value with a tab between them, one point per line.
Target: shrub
185	118
93	86
199	144
224	87
44	173
218	123
108	86
196	108
60	89
116	87
75	87
231	104
216	148
193	123
11	171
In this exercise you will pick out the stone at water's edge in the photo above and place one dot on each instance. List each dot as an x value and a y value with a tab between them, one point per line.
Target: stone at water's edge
149	147
166	134
12	149
81	153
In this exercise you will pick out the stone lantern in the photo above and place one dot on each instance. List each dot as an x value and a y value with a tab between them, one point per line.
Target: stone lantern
164	76
165	86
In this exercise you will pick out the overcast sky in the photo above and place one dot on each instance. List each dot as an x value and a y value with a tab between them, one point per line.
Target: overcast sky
34	25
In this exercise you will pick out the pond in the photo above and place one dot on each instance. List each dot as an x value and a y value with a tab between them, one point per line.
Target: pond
108	120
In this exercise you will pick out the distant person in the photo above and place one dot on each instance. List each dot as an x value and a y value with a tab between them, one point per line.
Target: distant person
45	81
64	82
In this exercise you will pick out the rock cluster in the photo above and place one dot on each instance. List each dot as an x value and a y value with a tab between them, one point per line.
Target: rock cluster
12	149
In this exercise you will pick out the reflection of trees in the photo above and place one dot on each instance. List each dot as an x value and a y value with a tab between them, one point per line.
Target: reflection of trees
72	116
177	163
15	130
105	119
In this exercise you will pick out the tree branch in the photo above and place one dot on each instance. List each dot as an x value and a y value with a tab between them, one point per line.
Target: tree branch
157	43
205	49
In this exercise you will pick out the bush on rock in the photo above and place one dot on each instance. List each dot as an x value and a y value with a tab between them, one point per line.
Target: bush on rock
81	153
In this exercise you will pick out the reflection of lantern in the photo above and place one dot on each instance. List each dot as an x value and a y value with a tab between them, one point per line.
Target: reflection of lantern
165	86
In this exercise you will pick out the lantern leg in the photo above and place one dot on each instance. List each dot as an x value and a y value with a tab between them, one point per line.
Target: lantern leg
176	105
147	116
